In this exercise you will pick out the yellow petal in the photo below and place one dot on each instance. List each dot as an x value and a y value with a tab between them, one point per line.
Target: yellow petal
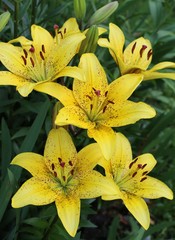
8	78
26	88
122	156
122	88
62	93
73	72
32	162
22	40
73	115
71	27
69	212
135	57
126	113
162	65
34	191
105	137
10	57
93	184
95	79
88	157
138	209
59	145
154	188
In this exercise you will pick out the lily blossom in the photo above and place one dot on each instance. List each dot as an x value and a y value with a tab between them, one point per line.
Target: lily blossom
136	57
131	177
62	176
98	106
39	60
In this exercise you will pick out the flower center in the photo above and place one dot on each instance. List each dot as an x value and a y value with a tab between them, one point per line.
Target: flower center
34	61
98	104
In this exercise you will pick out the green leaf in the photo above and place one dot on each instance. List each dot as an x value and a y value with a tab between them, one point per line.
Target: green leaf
4	18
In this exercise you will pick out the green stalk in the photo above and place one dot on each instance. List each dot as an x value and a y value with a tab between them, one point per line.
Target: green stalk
33	16
16	19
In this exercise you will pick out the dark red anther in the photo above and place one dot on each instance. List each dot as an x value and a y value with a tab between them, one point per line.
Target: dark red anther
133	175
32	49
25	53
52	166
149	54
24	59
143	179
64	178
64	30
130	165
55	174
43	48
60	160
104	109
91	106
139	165
144	166
89	97
70	163
56	27
144	173
32	61
61	34
62	164
109	101
133	47
41	55
142	50
72	171
97	92
106	93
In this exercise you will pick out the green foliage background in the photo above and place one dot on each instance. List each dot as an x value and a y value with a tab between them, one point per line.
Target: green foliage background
25	123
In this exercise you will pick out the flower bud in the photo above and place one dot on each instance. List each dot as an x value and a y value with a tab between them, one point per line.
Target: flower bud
89	44
4	18
103	13
80	9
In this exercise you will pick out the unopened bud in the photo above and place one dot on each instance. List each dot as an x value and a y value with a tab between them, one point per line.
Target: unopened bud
4	18
89	44
80	9
103	13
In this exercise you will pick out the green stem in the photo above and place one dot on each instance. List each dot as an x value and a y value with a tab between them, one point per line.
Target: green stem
33	16
16	19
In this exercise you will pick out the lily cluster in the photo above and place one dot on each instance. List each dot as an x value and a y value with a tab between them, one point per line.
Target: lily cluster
63	175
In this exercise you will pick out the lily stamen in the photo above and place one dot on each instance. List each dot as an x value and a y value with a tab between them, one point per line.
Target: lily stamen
133	48
142	50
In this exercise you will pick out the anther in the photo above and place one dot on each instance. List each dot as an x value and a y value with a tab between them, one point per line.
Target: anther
143	179
70	163
24	59
144	173
72	171
62	164
64	178
61	34
60	160
56	27
130	165
109	101
41	55
106	93
89	97
32	62
104	109
142	50
149	54
55	174
43	48
144	166
97	92
91	106
133	175
52	166
133	47
64	30
139	165
25	53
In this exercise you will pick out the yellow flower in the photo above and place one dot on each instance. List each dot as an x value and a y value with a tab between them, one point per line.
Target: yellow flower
132	179
39	60
62	176
136	57
98	106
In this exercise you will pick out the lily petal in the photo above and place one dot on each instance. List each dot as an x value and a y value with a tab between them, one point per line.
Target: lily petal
62	93
69	212
8	78
138	208
126	113
105	137
73	72
26	88
153	188
32	162
73	115
122	88
94	185
35	192
55	149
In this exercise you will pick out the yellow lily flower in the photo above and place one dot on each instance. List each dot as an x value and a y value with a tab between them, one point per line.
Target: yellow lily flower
40	60
136	57
62	176
132	179
98	106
